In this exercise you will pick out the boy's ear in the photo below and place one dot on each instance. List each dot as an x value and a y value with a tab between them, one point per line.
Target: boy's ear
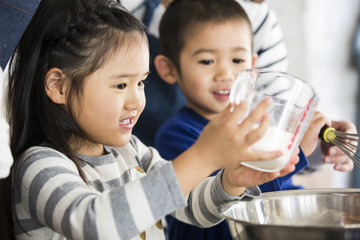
254	59
166	69
54	85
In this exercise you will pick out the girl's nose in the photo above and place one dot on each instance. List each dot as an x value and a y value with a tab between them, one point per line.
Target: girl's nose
135	100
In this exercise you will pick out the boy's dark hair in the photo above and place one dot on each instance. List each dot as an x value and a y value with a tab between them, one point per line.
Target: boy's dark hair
182	15
76	36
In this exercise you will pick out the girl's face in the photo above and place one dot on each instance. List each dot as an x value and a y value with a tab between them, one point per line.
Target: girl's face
113	98
214	53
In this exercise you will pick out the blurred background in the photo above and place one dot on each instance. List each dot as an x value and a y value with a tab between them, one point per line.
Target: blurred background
319	35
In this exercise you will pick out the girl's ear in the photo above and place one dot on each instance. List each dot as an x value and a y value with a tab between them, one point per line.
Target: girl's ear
166	69
54	85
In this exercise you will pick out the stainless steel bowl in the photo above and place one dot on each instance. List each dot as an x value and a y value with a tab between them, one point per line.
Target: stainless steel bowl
296	214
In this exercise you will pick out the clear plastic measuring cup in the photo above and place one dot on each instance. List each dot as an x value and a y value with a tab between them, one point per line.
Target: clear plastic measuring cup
293	107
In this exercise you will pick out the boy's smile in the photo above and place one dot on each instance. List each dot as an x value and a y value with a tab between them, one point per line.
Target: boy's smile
213	54
222	94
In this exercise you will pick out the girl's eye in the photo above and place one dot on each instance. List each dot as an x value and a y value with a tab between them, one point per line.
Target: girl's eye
121	86
238	60
206	62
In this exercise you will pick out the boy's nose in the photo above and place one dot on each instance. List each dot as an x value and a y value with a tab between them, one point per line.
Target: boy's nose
225	74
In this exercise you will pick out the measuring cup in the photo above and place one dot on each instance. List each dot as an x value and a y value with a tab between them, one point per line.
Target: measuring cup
294	103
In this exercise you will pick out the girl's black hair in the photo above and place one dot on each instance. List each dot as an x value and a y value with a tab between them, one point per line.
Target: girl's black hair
182	16
76	36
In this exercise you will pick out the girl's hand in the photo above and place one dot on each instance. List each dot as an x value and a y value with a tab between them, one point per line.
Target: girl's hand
332	154
236	179
311	136
225	142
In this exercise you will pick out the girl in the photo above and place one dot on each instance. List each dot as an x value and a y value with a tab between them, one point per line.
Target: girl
76	90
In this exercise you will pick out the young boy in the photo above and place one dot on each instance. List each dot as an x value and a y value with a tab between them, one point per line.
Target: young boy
203	45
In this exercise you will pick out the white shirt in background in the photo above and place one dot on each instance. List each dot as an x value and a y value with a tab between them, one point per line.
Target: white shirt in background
6	158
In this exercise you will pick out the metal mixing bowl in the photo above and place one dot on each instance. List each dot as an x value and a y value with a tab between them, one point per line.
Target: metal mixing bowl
296	214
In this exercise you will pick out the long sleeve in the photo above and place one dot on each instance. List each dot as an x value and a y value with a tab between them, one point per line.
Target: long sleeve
52	196
205	200
128	191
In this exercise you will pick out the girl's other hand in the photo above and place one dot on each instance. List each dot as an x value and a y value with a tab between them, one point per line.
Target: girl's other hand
236	179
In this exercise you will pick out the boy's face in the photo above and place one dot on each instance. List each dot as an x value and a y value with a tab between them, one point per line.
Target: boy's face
113	98
213	54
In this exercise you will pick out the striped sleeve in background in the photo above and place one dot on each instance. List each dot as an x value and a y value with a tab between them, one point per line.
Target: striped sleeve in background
268	37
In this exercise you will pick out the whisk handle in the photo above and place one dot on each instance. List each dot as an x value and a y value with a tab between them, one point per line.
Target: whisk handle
323	135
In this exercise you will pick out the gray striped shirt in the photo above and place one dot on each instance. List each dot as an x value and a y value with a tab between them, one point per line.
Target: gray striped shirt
130	190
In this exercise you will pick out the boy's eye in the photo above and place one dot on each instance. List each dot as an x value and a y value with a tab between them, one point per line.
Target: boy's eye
121	86
143	82
206	62
238	60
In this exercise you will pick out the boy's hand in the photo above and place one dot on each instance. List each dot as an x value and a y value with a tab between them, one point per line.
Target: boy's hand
311	136
332	154
236	179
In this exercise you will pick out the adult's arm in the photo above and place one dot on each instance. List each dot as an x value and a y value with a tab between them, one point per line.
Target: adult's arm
268	38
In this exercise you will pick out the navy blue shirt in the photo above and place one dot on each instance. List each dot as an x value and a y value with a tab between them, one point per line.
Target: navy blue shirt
175	136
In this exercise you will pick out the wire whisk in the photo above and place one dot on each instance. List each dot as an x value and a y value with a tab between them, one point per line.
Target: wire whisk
344	141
